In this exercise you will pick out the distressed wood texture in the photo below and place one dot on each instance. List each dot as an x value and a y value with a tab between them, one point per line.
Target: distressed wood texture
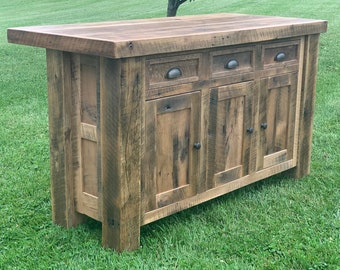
306	112
64	147
122	104
231	114
125	39
171	162
150	117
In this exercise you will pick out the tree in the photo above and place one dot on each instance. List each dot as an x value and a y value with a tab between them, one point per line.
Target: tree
173	5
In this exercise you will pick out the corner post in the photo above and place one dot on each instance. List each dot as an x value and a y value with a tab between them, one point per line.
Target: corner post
63	138
122	115
308	92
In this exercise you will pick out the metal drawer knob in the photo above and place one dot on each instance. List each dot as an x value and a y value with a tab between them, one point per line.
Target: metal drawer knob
231	64
250	130
281	56
197	146
173	73
264	125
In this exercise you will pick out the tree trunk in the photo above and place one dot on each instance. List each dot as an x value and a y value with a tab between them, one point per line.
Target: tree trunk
173	5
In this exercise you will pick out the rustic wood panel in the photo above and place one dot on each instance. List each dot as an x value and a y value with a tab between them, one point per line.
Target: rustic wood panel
173	165
230	116
89	80
172	144
89	167
89	83
278	112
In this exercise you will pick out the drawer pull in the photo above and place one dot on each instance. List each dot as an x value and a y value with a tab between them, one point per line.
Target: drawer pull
264	125
173	73
231	64
281	56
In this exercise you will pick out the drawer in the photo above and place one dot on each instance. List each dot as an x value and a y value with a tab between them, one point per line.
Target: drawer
173	70
232	62
280	53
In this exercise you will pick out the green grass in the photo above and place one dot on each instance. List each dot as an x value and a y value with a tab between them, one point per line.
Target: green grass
279	223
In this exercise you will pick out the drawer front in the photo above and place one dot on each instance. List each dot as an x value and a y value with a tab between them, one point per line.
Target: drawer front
232	62
174	70
279	54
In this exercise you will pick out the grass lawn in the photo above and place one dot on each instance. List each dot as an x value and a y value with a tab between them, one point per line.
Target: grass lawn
279	223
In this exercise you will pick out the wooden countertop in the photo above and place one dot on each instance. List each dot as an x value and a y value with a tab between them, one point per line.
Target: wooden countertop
119	39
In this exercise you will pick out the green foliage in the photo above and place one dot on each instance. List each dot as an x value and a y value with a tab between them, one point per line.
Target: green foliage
279	223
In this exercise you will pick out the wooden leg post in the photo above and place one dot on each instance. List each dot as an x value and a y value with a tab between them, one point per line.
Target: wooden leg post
307	107
62	139
121	122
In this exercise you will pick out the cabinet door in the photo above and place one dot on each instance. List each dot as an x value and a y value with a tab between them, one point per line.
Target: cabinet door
172	149
230	132
277	118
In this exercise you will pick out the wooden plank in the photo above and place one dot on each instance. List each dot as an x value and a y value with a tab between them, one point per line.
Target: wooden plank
122	106
211	134
64	151
204	182
297	111
228	175
90	206
307	107
292	116
119	40
76	105
148	184
275	158
173	195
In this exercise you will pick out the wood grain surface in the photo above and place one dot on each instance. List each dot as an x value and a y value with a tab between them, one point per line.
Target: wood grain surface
119	39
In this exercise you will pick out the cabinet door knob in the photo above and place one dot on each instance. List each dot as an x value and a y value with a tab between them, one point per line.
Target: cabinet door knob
197	146
250	130
281	56
173	73
264	125
231	64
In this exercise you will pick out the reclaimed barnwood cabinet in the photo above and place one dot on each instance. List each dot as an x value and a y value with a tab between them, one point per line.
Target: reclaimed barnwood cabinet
150	117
